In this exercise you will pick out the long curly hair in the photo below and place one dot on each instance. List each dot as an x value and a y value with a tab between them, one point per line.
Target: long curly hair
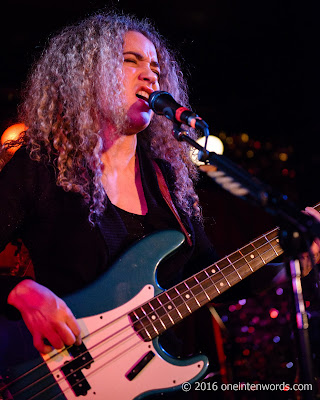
75	85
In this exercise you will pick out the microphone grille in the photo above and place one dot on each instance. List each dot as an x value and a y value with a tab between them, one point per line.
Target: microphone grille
158	101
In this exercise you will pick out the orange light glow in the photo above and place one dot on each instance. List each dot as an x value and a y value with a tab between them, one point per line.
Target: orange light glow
273	313
12	133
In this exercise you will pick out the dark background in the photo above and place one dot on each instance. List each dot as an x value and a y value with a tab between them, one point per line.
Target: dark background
252	67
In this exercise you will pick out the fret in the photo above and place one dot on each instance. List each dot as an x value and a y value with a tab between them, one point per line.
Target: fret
202	298
264	249
171	306
242	267
199	295
196	290
139	313
175	315
219	280
275	242
193	303
171	293
277	247
211	284
173	312
183	310
143	325
138	325
161	311
187	296
153	321
165	307
227	269
270	236
176	300
258	246
252	257
142	331
207	284
146	308
176	303
200	277
149	318
165	299
167	321
224	274
236	268
179	301
181	288
154	304
274	252
191	282
233	260
248	263
150	308
210	272
193	286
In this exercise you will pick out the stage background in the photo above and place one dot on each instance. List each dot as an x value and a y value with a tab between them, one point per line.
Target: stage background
252	69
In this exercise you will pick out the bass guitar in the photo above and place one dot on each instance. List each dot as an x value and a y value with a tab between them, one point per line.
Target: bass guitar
121	316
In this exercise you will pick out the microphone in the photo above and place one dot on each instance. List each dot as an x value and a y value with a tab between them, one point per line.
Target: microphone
162	103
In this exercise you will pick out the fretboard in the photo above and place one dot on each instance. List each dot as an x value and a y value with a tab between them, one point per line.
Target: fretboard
173	305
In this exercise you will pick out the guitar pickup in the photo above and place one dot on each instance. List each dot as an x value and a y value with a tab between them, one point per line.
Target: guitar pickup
72	369
81	355
138	367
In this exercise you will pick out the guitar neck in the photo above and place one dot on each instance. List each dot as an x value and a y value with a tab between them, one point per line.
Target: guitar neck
173	305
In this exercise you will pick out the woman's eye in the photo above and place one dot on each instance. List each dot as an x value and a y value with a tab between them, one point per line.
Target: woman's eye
157	73
130	60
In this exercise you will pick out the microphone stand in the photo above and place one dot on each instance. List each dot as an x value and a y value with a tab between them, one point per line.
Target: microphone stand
297	231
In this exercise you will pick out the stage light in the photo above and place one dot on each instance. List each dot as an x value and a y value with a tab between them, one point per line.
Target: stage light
13	133
273	313
283	157
276	339
244	137
214	144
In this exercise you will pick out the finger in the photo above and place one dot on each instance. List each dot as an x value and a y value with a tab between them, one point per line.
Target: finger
66	335
314	213
75	328
315	250
54	339
41	344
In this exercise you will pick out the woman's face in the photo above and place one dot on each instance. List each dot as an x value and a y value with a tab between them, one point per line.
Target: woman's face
141	77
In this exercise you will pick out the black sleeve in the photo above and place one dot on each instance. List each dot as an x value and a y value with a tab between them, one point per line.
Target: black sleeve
17	198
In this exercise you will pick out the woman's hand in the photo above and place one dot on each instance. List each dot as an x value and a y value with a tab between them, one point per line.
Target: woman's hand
46	316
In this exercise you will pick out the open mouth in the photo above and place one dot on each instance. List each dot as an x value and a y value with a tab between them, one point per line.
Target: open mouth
143	95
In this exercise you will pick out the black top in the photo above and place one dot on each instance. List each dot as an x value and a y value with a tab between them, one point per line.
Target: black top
66	251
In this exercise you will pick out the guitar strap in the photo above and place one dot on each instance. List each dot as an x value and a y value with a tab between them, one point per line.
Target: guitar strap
167	197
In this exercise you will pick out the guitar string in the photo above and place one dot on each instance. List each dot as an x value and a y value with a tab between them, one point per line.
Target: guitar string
88	375
130	326
70	387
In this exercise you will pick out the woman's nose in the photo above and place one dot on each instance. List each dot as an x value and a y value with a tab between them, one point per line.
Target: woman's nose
148	75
